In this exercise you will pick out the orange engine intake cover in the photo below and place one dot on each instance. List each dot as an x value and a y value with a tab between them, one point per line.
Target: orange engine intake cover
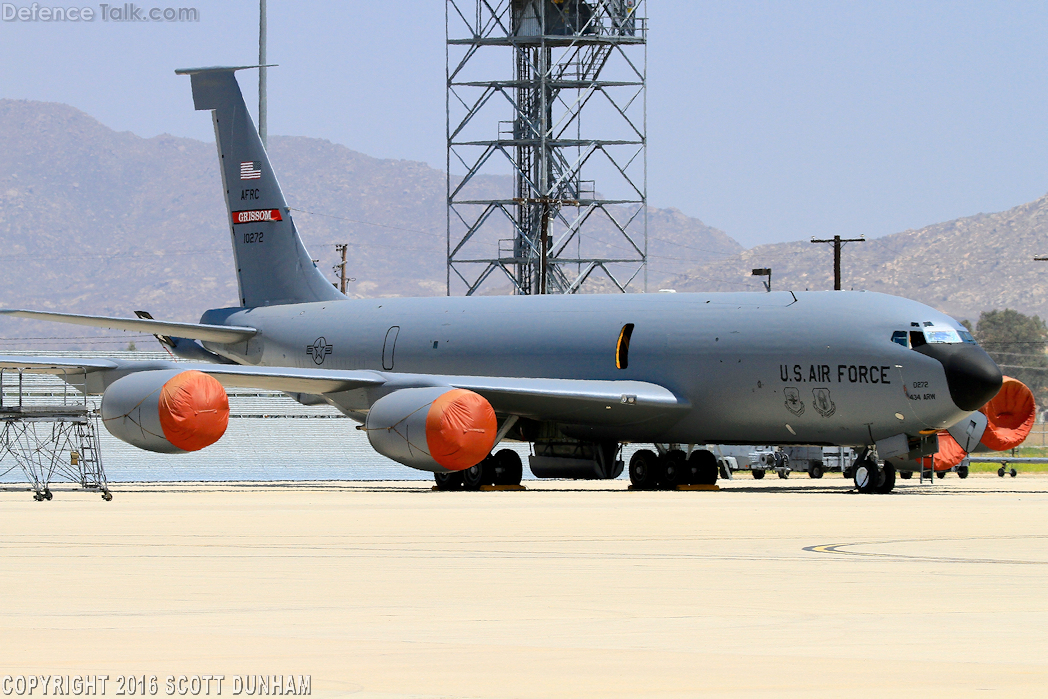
194	410
1009	416
460	429
949	455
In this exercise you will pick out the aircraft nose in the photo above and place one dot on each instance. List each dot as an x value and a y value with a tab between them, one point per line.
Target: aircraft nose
972	376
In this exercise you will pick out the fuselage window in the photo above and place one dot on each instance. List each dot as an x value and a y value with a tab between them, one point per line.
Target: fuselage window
899	337
622	349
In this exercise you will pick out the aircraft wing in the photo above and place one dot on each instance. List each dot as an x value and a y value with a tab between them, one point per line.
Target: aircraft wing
226	334
573	400
56	365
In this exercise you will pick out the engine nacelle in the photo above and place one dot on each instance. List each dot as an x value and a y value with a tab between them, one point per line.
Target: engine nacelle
433	429
169	411
1009	417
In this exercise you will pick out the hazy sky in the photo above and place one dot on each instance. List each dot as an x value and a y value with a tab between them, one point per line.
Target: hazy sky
770	120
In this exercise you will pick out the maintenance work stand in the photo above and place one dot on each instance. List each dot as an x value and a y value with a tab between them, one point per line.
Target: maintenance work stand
50	432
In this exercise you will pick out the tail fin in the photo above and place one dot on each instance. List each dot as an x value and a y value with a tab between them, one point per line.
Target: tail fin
273	266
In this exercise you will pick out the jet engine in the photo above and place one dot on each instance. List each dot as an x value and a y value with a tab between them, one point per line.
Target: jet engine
168	411
432	429
1009	417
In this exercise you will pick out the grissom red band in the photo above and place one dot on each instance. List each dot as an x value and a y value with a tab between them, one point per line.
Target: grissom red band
194	410
460	429
261	215
1009	416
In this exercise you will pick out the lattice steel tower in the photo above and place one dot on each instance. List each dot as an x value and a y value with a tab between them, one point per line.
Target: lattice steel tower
570	59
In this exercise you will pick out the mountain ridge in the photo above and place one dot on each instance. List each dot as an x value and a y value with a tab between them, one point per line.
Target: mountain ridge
98	221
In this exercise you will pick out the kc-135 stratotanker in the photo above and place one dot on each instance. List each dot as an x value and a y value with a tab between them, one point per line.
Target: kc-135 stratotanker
437	383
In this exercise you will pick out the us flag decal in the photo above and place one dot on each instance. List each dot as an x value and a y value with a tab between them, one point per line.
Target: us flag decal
251	170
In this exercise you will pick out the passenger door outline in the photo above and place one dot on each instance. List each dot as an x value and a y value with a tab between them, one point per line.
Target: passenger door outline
389	347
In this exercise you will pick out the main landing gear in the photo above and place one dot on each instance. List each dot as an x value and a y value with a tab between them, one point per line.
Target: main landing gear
649	471
872	478
501	468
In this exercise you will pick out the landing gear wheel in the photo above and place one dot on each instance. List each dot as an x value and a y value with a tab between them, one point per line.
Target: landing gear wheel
508	467
107	496
1013	473
940	474
757	474
962	471
868	477
644	470
39	497
674	469
815	471
448	481
473	477
48	495
906	475
704	467
1000	472
888	484
783	473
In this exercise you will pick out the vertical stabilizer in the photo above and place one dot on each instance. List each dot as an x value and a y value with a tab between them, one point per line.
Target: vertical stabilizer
273	266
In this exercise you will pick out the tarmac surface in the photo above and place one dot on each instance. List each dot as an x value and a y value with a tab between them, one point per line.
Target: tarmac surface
783	588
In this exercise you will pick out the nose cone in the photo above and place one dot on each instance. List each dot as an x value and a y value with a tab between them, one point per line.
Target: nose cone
972	376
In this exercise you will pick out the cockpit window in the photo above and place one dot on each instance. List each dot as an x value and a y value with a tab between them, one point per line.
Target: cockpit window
899	337
966	336
942	336
917	339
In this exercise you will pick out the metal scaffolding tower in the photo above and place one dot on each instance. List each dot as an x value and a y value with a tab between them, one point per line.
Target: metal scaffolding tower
571	58
48	439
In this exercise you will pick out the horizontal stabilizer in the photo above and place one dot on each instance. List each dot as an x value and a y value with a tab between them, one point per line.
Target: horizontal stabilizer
222	334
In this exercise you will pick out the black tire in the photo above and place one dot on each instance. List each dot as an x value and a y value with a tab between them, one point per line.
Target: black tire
1000	472
888	482
906	475
848	472
926	474
783	473
107	496
48	495
868	476
674	469
757	474
448	481
704	465
940	474
644	470
509	469
1013	473
815	471
962	471
473	477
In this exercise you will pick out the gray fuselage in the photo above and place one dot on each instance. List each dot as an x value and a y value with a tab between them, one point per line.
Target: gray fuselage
778	368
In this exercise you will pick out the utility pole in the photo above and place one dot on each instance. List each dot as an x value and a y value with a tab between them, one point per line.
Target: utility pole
838	243
263	130
340	268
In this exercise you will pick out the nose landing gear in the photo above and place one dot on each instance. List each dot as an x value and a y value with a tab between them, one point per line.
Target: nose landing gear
872	478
